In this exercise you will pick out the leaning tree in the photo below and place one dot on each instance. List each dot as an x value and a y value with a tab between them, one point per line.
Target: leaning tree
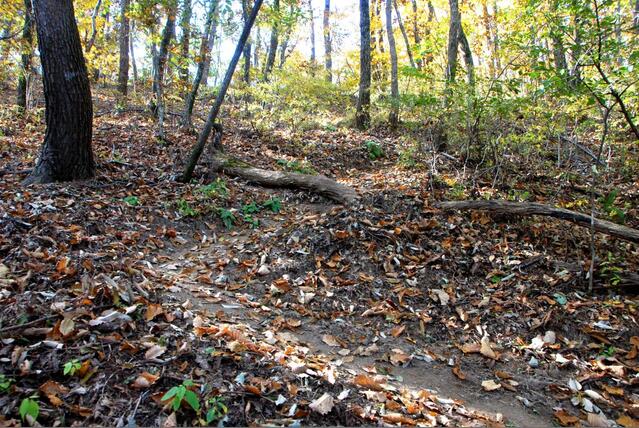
66	152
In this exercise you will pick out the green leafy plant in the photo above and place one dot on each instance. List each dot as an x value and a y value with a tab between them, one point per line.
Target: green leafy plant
518	195
254	222
609	351
5	383
374	150
216	409
251	208
273	204
181	393
29	407
71	367
407	158
611	270
227	217
608	204
185	209
215	189
134	201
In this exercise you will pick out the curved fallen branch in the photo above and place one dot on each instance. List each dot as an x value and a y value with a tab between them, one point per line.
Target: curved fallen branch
319	184
529	208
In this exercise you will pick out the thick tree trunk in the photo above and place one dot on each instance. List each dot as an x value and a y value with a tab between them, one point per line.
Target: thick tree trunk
185	25
160	64
409	51
215	110
328	42
453	41
363	117
393	117
66	152
204	57
272	50
123	72
319	184
27	51
524	208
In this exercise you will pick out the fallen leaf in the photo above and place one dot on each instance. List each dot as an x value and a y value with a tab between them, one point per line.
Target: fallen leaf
486	350
565	418
627	422
458	372
331	340
154	351
67	326
322	405
490	385
144	380
52	389
152	311
367	382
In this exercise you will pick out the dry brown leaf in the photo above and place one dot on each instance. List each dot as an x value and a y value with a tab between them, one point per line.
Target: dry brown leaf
486	350
490	385
67	326
331	340
613	390
398	418
52	389
397	331
152	311
457	371
154	351
565	418
144	380
627	422
470	348
367	382
171	421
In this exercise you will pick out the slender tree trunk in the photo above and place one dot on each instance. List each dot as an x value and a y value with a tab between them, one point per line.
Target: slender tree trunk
94	26
328	48
635	16
453	41
204	57
132	53
123	72
489	39
468	56
66	152
416	34
272	50
409	51
393	117
363	117
162	56
256	49
284	51
211	45
27	51
313	47
185	25
247	47
215	110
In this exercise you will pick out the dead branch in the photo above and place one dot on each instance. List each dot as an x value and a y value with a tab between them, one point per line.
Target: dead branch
528	208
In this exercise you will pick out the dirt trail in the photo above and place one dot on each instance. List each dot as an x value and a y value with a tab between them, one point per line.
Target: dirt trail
419	374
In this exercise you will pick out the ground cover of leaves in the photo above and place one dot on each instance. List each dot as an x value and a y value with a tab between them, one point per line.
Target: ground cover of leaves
116	290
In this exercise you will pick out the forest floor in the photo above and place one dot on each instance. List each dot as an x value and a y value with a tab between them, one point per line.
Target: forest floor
118	289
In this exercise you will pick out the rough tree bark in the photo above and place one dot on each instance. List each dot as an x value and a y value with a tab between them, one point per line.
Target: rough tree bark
66	152
27	51
409	51
363	117
393	117
272	50
416	34
123	71
527	208
185	25
204	57
453	41
328	42
468	56
215	109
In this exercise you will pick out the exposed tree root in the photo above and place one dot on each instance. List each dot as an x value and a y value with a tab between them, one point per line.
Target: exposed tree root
526	208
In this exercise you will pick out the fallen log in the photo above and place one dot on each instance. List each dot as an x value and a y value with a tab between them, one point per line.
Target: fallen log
529	208
319	184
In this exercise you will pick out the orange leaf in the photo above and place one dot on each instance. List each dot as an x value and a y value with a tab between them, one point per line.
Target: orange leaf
144	380
628	422
565	418
152	311
367	382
